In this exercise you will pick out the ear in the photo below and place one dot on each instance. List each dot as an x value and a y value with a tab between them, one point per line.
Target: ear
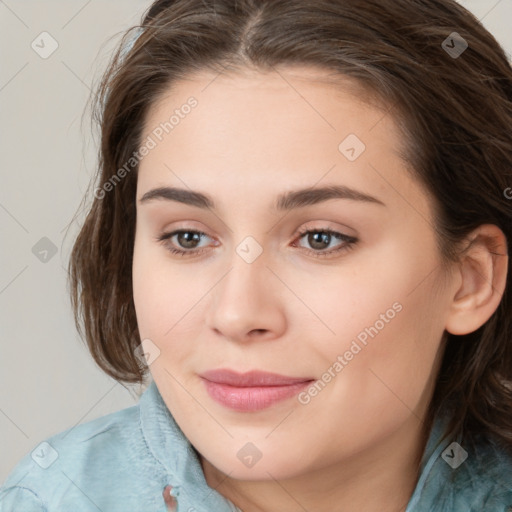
483	276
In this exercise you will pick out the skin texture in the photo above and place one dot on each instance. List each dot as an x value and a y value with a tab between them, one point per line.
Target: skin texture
252	136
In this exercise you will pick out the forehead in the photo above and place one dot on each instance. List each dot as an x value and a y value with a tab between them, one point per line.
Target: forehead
286	109
305	87
289	125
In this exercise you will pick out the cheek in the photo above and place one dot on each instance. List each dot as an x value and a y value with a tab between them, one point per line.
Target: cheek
160	296
148	292
161	290
386	323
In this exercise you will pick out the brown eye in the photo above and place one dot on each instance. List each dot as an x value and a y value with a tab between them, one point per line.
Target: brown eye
188	239
184	241
321	239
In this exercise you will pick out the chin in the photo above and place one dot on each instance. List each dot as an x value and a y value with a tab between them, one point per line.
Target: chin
264	465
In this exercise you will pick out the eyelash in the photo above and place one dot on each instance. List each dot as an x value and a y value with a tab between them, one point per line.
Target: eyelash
350	241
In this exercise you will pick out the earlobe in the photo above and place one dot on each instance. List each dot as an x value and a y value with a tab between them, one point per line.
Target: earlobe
483	271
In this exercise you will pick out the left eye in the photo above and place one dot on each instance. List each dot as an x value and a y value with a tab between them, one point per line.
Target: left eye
321	239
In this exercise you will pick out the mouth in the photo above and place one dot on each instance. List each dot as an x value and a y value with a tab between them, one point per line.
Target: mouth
251	391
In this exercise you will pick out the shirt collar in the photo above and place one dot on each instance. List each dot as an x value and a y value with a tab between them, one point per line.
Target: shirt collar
169	446
435	446
459	475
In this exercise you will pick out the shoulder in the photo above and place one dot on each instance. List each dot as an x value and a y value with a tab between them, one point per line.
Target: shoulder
116	463
470	478
488	476
86	451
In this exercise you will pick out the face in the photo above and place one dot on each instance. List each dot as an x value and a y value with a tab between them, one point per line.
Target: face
334	289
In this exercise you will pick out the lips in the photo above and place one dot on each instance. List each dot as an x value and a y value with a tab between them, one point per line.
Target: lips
251	391
252	378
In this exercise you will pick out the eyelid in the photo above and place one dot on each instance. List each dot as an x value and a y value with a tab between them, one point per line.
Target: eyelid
325	225
167	235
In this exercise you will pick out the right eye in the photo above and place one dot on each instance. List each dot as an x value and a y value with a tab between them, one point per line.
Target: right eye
183	241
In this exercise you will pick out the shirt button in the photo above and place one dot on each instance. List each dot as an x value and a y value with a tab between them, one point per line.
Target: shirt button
170	501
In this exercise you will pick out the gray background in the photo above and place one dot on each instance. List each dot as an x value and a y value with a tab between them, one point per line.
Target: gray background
48	380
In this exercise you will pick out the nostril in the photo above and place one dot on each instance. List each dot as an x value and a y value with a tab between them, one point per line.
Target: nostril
258	331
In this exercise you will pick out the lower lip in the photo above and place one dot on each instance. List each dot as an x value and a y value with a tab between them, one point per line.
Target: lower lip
250	399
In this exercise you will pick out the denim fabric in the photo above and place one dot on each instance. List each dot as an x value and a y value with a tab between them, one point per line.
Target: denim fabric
124	461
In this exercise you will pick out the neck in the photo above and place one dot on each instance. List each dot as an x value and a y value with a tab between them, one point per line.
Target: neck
380	479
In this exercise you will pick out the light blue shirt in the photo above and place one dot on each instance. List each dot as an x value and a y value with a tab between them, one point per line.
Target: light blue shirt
123	461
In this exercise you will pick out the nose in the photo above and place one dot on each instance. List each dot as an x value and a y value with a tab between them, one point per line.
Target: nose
248	303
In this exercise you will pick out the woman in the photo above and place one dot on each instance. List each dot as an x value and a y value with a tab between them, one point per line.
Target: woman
301	227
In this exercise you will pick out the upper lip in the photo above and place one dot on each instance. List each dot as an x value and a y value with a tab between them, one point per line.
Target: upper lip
251	378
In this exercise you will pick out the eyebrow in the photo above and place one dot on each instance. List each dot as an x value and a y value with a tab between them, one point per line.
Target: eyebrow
287	201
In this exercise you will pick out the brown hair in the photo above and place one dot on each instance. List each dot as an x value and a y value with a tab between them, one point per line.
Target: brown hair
455	112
